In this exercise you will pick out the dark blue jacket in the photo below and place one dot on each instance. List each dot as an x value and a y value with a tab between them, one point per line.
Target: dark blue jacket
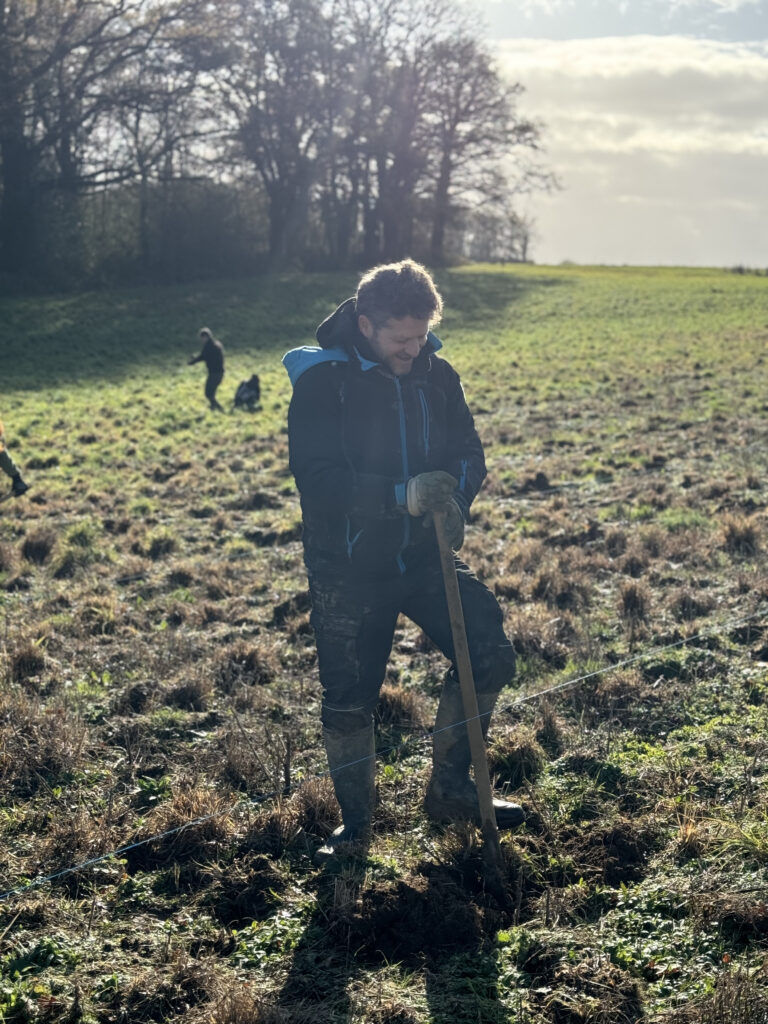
357	433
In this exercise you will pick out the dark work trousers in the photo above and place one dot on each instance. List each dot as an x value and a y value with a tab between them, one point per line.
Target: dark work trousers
211	384
354	622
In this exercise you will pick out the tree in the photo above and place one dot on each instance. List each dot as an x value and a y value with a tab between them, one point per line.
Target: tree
347	130
494	233
60	64
273	92
475	127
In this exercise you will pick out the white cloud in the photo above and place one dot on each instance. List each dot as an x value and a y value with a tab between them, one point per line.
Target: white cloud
653	137
726	20
729	6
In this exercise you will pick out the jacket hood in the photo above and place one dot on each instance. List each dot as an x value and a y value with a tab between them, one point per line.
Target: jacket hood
340	328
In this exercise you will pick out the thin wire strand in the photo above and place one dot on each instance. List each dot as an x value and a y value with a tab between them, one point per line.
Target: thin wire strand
412	741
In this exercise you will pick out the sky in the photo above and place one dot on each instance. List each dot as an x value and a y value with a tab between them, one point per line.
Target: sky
655	117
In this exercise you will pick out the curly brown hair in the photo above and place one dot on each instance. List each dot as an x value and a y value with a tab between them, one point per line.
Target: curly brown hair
396	290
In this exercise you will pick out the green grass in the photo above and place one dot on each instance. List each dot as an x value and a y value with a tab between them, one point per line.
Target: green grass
157	668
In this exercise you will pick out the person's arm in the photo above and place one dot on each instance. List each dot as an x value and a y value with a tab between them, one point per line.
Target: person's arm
323	473
466	456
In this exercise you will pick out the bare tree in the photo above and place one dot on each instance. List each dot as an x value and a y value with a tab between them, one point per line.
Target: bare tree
273	93
477	136
494	232
365	129
60	81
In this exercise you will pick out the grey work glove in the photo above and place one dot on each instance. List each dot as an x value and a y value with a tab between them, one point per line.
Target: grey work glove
453	518
428	490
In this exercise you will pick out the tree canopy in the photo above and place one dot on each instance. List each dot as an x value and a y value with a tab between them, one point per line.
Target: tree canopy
168	139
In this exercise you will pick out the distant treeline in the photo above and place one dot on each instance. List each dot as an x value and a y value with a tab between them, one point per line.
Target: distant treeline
172	139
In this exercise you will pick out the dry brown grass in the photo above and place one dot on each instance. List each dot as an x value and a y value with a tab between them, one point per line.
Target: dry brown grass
563	591
38	545
594	991
615	541
7	557
401	707
551	729
76	836
634	604
740	997
243	663
243	1005
687	604
635	562
740	535
624	686
515	755
194	694
536	634
309	815
194	823
38	744
251	760
183	987
99	615
27	662
525	556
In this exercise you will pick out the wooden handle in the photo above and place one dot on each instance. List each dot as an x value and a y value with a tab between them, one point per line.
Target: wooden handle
468	693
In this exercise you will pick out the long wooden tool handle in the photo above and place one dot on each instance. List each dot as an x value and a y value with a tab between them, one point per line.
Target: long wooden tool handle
468	693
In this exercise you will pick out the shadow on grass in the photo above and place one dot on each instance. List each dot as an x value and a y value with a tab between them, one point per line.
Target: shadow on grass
63	340
424	926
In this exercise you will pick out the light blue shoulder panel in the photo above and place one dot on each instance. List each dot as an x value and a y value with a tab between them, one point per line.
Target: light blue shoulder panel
299	360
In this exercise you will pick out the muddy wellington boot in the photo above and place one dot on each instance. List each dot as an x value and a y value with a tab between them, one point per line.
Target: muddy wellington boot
18	486
352	761
451	794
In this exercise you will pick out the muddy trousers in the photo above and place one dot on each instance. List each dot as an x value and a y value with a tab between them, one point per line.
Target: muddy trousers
354	622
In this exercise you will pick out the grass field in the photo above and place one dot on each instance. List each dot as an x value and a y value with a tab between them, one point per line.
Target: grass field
157	669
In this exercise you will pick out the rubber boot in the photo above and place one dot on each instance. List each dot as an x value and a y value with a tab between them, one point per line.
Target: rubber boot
352	761
451	794
18	487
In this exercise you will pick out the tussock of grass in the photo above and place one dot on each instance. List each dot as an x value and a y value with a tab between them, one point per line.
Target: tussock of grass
193	824
39	746
634	603
740	536
38	546
515	755
686	604
401	707
243	664
26	662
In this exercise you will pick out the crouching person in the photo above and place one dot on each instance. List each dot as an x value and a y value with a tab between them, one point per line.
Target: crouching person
380	437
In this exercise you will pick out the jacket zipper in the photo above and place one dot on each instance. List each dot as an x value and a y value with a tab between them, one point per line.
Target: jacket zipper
351	541
424	422
404	456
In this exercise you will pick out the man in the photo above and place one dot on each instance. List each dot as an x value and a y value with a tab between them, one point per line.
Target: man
380	437
212	354
9	467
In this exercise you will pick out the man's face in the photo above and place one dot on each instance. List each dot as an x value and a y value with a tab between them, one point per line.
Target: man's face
397	343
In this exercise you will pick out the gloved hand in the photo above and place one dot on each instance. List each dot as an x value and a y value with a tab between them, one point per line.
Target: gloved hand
453	519
428	490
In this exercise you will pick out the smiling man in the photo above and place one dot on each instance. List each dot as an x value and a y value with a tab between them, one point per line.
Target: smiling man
380	437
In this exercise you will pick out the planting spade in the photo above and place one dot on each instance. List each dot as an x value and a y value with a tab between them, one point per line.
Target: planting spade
491	847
